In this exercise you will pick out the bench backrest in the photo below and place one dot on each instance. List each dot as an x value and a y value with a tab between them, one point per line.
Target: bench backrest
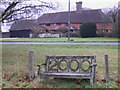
76	64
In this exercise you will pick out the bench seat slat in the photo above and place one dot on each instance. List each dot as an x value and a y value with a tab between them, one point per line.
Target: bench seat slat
67	74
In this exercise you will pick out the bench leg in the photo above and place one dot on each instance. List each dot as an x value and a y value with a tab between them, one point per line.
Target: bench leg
38	74
91	81
94	80
38	77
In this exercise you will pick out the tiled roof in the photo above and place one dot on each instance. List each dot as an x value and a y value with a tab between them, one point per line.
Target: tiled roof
26	24
96	16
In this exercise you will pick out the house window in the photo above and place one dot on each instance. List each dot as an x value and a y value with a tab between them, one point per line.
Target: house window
106	30
71	30
58	24
66	24
48	24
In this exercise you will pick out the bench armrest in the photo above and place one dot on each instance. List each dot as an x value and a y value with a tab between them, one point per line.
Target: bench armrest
44	64
93	64
39	70
39	67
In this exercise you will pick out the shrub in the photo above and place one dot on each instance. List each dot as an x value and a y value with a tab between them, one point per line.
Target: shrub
74	34
62	30
100	33
103	33
88	30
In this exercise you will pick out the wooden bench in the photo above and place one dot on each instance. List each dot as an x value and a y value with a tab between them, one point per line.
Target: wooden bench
81	67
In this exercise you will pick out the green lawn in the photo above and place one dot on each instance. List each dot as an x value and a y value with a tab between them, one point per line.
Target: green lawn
64	39
0	66
15	63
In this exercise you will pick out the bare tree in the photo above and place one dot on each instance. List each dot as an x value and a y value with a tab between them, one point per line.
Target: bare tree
18	9
113	15
11	10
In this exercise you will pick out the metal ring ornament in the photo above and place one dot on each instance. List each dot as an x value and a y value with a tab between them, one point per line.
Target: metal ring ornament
88	65
76	67
62	69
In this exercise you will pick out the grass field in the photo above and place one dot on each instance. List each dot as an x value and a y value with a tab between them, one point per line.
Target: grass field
64	39
15	63
0	66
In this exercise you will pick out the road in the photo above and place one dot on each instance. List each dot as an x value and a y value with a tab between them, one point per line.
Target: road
61	43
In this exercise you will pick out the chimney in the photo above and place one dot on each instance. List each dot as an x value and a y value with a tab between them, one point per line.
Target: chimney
78	6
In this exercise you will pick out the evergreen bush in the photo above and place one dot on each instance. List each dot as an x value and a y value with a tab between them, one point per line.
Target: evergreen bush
88	30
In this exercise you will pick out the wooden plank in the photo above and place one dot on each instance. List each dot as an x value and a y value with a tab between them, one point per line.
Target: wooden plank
31	65
67	73
94	70
92	73
60	75
106	69
69	57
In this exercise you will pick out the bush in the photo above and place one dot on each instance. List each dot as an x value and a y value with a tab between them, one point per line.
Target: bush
74	35
103	33
62	30
100	33
88	30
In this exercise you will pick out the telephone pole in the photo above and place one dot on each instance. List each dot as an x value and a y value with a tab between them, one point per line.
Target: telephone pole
68	20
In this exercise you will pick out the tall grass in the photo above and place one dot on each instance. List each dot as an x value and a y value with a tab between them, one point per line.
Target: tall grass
15	58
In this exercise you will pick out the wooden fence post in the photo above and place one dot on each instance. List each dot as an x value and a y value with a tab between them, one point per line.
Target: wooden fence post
31	65
107	77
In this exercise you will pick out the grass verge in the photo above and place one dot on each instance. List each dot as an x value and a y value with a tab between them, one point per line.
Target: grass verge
61	40
15	63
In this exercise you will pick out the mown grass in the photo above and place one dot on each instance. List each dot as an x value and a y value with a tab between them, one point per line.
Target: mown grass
104	39
15	63
0	66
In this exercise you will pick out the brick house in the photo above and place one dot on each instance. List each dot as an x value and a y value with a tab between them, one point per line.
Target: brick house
53	21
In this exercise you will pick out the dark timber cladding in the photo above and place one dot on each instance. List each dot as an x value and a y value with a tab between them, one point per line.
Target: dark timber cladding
20	33
21	28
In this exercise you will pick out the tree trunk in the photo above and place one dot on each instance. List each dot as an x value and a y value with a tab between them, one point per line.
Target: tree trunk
115	29
0	31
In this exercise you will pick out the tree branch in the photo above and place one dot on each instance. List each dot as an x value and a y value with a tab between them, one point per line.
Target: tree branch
9	8
14	9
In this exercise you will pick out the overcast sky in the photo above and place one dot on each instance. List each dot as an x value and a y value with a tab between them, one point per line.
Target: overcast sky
93	4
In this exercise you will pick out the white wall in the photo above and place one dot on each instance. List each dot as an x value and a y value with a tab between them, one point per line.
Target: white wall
5	27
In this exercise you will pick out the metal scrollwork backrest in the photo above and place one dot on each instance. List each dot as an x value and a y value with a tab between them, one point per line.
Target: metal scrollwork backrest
69	63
